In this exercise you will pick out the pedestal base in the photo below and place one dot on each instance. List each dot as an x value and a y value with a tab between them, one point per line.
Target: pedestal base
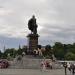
32	42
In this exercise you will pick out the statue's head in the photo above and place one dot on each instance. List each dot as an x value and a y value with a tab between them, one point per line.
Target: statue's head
33	16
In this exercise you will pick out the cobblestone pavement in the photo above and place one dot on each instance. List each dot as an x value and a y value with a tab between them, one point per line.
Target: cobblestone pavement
32	72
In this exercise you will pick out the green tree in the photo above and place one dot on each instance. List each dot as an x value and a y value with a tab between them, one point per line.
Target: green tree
72	48
19	51
39	46
70	56
0	54
58	50
11	52
48	51
24	49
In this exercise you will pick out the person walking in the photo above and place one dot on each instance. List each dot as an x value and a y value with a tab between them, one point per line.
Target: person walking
43	65
73	68
69	67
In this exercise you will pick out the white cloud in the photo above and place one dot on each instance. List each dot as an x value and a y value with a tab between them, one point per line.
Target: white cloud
55	18
4	12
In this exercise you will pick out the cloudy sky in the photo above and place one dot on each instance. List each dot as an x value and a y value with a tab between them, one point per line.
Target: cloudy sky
55	19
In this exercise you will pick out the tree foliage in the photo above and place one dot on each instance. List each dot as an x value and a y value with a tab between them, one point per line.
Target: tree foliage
9	52
48	52
59	50
64	51
70	56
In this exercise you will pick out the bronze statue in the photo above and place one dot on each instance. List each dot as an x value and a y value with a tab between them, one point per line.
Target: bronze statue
32	25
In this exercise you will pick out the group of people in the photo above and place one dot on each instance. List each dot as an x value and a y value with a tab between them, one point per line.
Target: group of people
46	64
71	67
37	52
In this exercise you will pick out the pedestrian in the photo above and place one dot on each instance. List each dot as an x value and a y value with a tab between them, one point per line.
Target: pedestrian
73	68
35	52
43	65
50	65
69	67
39	52
65	67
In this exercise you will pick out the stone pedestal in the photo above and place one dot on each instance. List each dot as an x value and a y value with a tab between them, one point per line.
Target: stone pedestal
32	42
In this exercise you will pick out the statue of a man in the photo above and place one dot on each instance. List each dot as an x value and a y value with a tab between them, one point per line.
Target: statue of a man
32	25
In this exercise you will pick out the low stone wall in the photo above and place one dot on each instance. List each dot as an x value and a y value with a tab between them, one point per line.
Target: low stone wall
31	63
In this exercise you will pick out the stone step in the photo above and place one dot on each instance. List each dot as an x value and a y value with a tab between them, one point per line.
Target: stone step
30	62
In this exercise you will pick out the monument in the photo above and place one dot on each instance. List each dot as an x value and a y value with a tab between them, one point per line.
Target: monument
33	36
